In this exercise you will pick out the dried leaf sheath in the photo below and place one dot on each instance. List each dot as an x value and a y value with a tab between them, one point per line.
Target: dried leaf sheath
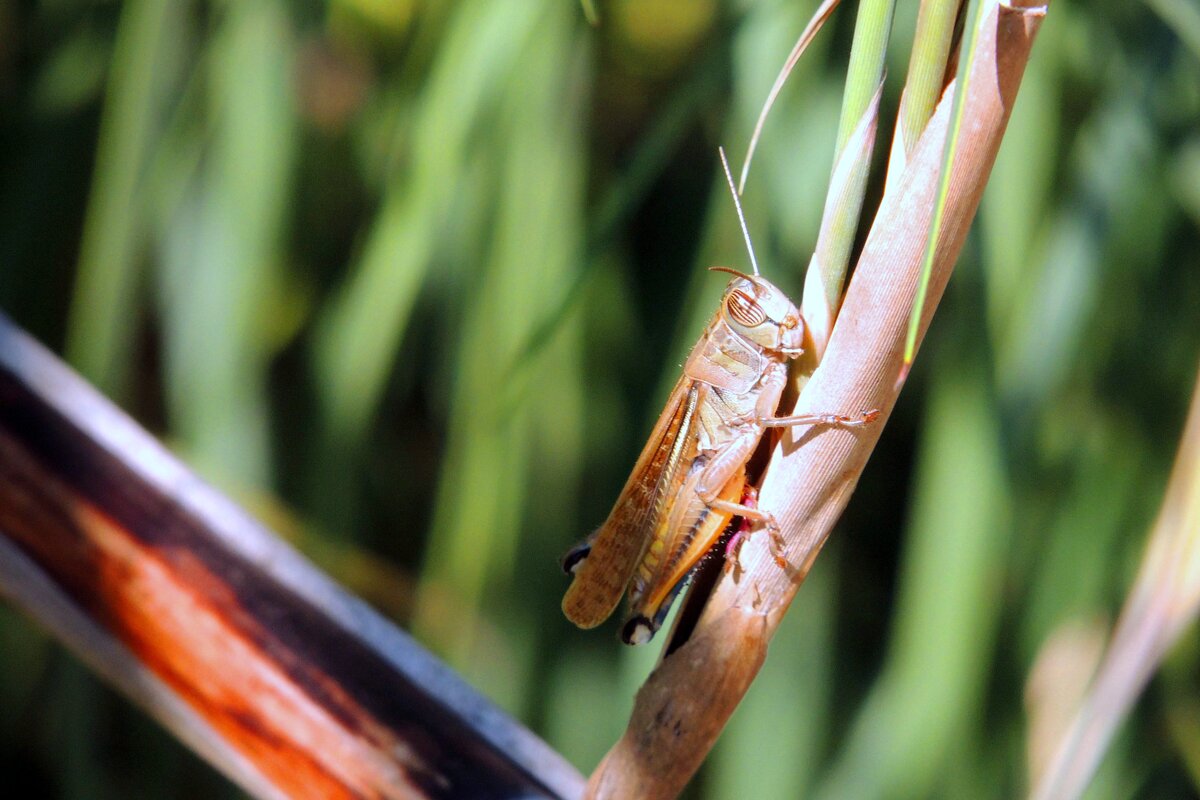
619	544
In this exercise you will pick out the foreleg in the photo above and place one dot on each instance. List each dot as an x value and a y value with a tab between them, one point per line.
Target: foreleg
768	403
865	418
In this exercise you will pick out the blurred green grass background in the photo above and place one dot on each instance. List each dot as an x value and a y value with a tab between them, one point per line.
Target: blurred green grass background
410	280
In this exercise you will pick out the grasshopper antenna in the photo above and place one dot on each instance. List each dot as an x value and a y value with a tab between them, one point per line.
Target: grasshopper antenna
738	205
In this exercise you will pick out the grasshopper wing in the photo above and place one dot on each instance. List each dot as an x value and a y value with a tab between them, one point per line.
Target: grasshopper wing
686	535
603	567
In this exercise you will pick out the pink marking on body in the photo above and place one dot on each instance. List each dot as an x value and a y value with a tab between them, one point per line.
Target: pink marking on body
734	546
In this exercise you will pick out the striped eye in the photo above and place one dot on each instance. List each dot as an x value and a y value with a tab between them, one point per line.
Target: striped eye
743	310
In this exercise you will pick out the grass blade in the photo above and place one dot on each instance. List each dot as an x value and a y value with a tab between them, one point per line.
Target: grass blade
1163	603
974	15
102	309
923	84
815	24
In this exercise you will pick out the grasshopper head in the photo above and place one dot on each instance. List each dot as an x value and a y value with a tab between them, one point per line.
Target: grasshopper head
758	310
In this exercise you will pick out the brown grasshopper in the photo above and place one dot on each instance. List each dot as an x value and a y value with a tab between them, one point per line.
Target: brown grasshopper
689	481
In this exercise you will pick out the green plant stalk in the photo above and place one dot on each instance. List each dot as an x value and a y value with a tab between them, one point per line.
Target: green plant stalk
868	55
844	203
935	227
926	68
843	207
102	313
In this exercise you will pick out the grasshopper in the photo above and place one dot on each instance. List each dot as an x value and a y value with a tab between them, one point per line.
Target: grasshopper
689	481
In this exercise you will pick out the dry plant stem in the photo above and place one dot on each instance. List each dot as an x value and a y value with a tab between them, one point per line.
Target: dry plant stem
687	700
716	665
1161	605
218	629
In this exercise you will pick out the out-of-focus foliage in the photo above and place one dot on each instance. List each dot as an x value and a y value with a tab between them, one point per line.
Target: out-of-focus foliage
410	280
